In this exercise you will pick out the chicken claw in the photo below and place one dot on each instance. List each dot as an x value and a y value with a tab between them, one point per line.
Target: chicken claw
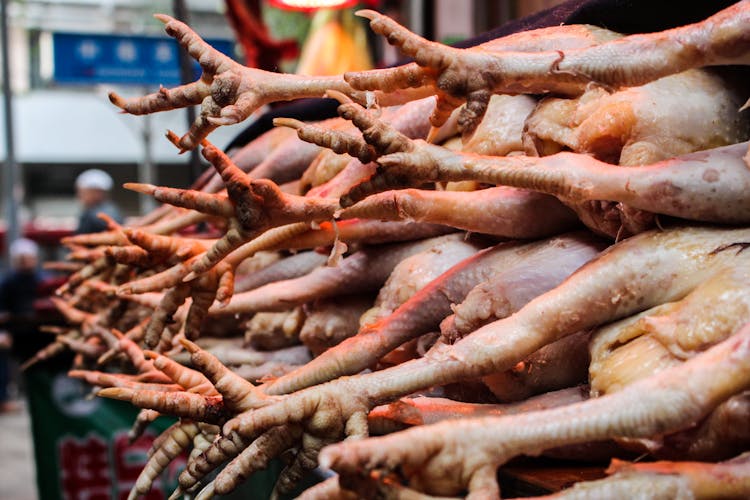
473	75
458	75
448	457
227	91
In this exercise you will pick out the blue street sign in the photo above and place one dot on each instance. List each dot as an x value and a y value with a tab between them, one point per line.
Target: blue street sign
118	59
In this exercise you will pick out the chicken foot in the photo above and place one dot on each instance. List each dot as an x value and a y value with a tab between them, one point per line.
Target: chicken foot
289	267
422	410
363	270
499	211
473	75
646	270
423	312
705	186
447	458
227	91
258	205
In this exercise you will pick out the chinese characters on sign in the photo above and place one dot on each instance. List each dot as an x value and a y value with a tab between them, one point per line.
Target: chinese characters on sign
95	468
139	60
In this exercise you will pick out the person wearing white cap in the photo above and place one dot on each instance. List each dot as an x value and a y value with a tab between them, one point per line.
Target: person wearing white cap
92	190
24	254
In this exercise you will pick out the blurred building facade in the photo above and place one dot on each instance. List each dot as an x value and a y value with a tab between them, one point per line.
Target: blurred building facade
61	129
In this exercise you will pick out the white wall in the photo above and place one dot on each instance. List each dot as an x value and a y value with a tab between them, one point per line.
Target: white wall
454	20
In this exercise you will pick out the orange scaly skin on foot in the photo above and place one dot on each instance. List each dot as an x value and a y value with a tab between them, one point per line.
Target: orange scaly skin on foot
473	75
227	91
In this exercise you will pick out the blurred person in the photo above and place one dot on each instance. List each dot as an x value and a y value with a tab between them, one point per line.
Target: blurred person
92	190
18	291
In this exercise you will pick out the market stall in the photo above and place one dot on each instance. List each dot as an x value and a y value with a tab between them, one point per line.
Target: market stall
532	246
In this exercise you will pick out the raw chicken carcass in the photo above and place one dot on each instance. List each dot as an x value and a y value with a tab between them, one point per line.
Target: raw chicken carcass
639	126
449	457
639	273
473	75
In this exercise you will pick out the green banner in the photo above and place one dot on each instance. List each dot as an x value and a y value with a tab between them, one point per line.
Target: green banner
81	444
82	450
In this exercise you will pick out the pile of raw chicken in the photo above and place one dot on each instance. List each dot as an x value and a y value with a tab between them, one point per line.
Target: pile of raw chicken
534	246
